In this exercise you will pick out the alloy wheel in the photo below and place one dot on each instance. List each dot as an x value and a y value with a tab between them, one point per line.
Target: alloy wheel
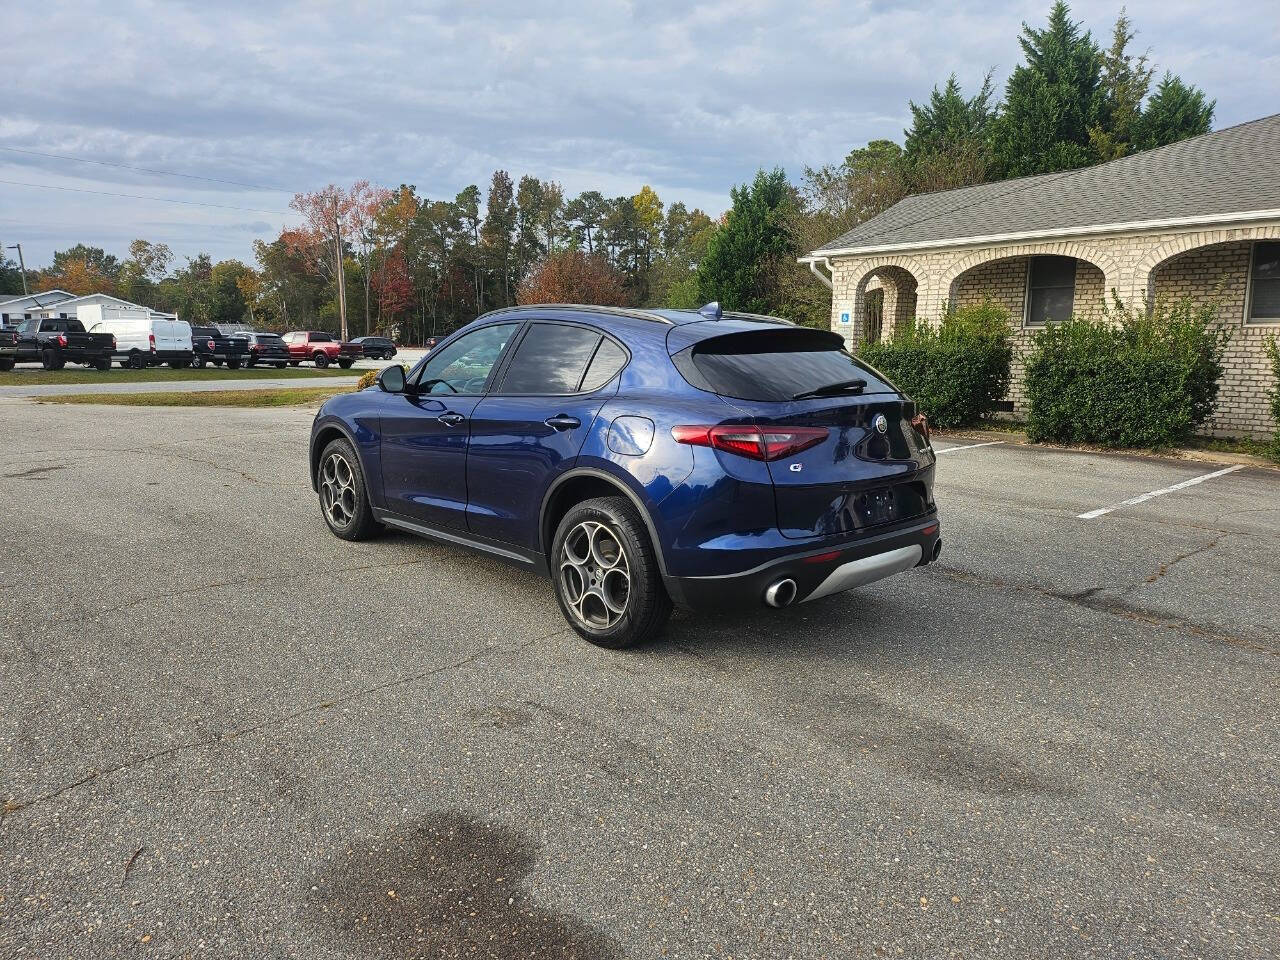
594	575
338	490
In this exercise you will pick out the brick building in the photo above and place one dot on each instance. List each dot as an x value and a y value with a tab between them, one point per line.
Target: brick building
1200	218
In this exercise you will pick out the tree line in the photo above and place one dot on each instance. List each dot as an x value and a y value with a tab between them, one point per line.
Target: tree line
370	259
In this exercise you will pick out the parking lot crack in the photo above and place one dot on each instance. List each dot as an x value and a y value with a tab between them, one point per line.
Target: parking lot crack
12	806
1096	600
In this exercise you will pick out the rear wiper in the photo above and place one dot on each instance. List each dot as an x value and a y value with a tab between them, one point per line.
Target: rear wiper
831	389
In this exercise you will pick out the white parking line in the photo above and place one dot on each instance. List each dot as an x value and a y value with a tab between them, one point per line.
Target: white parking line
969	446
1143	498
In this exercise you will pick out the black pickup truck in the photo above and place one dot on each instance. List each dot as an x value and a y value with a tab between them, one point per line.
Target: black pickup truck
55	343
210	346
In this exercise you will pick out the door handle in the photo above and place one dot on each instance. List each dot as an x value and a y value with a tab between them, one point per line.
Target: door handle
563	422
451	419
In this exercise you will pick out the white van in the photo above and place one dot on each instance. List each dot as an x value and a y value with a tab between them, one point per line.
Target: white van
141	340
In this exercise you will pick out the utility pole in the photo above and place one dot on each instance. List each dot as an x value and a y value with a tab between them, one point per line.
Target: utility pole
341	273
22	267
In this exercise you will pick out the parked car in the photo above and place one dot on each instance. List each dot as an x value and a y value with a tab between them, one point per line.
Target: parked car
210	346
321	348
703	458
141	340
430	343
376	348
264	348
55	342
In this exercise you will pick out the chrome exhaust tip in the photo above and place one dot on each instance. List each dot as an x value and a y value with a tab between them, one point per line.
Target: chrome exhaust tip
937	548
780	594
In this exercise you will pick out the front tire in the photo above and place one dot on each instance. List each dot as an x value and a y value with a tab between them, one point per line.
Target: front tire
103	363
321	359
606	574
345	364
197	362
344	498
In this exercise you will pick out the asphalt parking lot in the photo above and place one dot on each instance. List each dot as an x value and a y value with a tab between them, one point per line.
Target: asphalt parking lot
227	733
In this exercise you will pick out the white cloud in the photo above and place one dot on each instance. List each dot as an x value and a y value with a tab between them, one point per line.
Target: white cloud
609	95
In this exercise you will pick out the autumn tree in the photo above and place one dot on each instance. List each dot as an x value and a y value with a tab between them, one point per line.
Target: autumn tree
331	217
573	276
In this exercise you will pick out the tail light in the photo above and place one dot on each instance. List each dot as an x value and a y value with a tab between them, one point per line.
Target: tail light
921	423
113	341
62	339
151	339
755	443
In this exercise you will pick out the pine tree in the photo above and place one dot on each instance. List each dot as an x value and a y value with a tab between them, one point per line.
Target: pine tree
744	257
1125	82
1176	111
948	144
1051	101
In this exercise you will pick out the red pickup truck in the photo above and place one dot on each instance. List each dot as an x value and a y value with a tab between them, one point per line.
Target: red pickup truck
321	348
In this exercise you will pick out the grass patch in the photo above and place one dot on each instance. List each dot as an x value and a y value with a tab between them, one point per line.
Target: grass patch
33	378
268	397
1246	445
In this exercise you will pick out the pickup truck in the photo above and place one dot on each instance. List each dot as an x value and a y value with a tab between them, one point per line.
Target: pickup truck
208	345
321	348
55	342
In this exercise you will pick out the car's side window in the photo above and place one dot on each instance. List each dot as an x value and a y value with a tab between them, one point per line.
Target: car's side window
550	360
27	327
609	359
464	366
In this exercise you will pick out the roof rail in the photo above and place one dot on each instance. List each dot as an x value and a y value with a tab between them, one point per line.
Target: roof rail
631	312
762	317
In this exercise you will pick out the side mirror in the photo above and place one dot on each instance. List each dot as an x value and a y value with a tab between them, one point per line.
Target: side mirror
391	379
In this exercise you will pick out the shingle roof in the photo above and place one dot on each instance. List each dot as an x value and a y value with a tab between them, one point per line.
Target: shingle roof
1214	175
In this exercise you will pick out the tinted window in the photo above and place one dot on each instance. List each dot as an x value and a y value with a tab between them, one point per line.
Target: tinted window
1051	290
1264	281
270	339
550	359
321	338
463	367
609	359
775	366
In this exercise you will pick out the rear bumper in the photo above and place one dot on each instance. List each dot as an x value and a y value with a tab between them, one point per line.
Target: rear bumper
816	573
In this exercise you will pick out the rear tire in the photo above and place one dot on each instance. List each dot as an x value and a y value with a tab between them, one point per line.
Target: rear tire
137	361
344	498
103	363
197	362
294	363
6	365
50	360
281	365
606	574
231	364
345	364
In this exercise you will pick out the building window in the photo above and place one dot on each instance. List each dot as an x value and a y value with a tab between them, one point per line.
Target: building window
1051	290
1264	283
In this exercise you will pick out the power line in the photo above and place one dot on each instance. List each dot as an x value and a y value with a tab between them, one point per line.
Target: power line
126	166
134	196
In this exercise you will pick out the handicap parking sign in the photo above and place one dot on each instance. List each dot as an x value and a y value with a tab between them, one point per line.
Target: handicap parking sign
844	318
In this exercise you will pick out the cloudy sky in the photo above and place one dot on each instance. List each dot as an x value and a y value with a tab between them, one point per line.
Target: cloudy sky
690	98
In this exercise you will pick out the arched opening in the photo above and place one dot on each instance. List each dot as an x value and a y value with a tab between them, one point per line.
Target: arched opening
1036	289
1242	278
887	299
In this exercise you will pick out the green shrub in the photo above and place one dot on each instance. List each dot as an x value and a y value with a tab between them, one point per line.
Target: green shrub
1132	379
955	372
1273	351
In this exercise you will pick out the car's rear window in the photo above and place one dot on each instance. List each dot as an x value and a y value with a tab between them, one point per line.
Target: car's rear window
269	338
774	365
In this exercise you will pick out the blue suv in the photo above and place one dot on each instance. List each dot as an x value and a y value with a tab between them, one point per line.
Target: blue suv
640	458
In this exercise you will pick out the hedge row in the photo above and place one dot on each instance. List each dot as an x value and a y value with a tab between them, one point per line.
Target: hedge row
1131	379
956	372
